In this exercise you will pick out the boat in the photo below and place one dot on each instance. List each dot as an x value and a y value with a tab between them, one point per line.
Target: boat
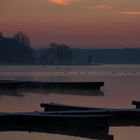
52	120
51	85
71	120
72	115
90	118
117	117
61	107
70	125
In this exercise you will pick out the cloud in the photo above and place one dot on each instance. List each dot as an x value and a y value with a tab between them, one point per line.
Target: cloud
61	2
131	12
101	6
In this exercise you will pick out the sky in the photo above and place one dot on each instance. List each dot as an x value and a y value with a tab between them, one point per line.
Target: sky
77	23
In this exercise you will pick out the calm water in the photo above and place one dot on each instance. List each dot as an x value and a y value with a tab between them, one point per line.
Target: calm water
122	85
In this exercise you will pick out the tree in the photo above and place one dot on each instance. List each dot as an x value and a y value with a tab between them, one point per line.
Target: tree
57	54
62	53
22	39
24	47
16	50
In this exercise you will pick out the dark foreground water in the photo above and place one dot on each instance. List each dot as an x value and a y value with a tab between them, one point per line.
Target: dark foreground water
122	85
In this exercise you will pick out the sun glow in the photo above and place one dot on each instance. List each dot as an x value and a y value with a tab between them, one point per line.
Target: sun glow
60	2
131	12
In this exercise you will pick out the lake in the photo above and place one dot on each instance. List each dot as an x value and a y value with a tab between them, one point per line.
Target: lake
122	85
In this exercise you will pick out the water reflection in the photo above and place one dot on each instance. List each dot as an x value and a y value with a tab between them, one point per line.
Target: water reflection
99	133
10	92
14	91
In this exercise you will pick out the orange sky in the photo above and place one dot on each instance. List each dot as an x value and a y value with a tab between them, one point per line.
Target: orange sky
78	23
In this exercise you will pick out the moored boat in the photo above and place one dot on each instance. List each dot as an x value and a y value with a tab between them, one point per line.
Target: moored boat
52	85
117	117
93	127
93	117
88	122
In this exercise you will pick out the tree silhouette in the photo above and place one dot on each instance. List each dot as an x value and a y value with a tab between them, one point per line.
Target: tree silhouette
57	54
22	39
16	50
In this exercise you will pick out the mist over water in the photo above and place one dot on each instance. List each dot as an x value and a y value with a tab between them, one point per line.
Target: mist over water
121	87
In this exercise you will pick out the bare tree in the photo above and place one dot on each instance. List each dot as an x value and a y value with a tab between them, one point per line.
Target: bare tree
22	39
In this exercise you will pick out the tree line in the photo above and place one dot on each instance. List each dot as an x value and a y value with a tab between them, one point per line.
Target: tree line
17	50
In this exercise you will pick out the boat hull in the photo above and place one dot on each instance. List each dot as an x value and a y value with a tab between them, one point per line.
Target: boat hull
51	85
94	127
